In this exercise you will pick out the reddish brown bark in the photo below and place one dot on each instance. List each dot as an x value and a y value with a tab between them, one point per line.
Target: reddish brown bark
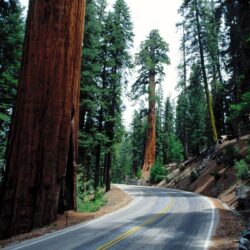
41	159
149	156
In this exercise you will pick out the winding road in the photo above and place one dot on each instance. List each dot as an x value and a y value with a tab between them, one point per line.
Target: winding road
155	219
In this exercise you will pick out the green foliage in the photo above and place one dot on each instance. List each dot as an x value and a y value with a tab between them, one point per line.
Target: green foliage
193	176
191	118
232	153
175	149
248	153
138	140
122	162
150	59
158	172
11	41
153	53
88	199
242	166
167	129
108	38
159	124
241	112
242	170
91	205
172	147
138	174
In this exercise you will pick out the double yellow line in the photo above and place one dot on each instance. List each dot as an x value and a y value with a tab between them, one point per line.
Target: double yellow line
137	228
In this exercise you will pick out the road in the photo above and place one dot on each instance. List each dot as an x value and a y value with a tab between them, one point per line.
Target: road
155	219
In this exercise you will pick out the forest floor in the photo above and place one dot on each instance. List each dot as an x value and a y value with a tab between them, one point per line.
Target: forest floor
116	199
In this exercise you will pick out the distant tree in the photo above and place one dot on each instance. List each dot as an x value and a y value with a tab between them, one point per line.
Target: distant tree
175	148
159	124
42	151
150	59
122	163
11	41
168	128
172	147
214	68
236	54
117	43
194	12
90	131
138	140
240	113
197	115
181	121
183	85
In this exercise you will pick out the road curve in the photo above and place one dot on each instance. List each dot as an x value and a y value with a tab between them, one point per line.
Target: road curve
155	219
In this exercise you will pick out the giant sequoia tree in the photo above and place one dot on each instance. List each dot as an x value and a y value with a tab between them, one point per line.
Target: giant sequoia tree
41	156
152	56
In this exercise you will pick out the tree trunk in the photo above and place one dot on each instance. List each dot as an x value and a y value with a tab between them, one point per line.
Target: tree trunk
98	151
203	68
149	156
97	166
108	164
185	90
42	152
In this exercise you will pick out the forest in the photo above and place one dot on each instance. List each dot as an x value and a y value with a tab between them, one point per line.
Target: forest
62	81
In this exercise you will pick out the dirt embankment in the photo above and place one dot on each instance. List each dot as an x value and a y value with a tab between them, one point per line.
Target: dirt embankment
116	199
212	174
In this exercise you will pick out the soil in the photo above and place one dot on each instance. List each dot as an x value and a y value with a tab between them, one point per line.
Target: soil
116	199
228	229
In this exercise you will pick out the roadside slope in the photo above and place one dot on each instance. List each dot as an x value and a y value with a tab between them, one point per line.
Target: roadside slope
212	174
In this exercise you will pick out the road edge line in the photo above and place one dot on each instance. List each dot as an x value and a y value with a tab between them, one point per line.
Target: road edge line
212	224
82	225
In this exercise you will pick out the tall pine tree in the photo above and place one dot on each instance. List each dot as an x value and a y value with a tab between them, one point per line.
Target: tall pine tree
11	40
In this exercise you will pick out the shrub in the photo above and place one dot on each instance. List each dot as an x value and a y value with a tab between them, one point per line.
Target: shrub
216	175
242	170
175	149
248	154
138	173
91	202
181	167
231	155
158	172
193	176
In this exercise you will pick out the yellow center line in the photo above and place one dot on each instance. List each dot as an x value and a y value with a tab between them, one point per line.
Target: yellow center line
137	228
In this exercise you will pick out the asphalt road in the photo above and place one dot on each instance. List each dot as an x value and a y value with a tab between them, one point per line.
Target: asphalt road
155	219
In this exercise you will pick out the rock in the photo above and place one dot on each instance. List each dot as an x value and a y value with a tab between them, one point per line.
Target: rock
243	196
174	174
244	243
161	184
143	182
171	165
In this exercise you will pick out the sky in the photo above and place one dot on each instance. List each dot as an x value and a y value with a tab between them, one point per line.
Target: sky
147	15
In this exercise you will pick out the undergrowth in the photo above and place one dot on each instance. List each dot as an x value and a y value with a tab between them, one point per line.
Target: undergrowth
88	199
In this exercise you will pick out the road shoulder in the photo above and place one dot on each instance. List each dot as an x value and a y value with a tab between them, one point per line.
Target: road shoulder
116	199
228	230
